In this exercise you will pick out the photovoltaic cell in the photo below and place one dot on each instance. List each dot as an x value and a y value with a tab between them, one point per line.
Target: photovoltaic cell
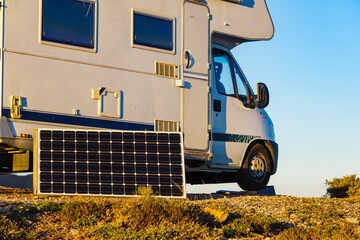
109	163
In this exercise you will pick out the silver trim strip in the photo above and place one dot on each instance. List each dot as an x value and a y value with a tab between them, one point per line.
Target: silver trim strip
196	75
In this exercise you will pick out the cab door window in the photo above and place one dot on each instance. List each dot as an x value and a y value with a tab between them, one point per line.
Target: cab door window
230	80
223	73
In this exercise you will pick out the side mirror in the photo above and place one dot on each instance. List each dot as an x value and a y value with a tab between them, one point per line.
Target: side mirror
263	96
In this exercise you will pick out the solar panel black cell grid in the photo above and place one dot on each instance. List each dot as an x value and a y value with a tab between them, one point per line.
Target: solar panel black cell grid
110	163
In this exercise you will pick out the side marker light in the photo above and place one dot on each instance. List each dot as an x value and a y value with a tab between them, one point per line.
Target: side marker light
25	135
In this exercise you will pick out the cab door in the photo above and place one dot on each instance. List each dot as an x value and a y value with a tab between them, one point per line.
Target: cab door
195	71
234	123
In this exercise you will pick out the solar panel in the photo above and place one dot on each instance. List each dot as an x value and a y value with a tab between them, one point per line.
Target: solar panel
108	163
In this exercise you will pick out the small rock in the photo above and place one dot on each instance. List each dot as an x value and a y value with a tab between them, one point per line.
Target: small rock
219	216
352	220
28	222
6	209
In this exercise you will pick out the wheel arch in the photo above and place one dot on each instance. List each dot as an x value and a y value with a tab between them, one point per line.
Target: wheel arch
272	149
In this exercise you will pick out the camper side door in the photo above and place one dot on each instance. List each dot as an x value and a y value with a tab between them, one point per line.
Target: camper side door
195	73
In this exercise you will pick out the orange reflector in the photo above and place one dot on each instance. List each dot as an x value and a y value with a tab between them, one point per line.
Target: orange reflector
25	135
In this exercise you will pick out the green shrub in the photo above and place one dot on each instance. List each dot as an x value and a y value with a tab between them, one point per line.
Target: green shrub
148	217
84	213
246	225
11	230
161	231
320	232
296	233
238	228
147	211
347	186
87	221
354	190
49	206
141	213
145	191
263	224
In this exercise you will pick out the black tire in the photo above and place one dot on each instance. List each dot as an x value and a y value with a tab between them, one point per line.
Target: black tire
256	170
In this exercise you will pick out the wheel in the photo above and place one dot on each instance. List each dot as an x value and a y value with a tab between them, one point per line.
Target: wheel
255	172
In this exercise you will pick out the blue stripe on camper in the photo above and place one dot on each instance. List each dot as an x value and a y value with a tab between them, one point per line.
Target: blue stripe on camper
224	137
79	121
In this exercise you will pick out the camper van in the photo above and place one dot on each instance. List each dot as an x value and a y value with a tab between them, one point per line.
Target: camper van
139	65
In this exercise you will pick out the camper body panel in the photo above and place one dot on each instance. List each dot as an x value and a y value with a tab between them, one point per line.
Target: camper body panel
64	91
59	79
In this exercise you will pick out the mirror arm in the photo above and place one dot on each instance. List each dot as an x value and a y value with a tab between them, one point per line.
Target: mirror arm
253	97
253	104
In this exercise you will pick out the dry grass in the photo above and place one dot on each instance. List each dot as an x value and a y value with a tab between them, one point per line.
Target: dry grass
149	217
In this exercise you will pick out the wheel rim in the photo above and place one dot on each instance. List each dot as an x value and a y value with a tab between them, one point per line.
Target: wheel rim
257	167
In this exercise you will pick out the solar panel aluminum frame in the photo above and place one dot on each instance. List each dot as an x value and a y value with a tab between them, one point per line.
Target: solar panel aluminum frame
71	148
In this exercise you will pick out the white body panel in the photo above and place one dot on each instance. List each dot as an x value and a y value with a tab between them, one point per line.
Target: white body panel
45	74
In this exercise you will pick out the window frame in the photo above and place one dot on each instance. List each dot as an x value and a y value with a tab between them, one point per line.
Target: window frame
156	16
245	82
63	44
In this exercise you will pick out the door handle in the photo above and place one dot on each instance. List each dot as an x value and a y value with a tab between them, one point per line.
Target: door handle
217	105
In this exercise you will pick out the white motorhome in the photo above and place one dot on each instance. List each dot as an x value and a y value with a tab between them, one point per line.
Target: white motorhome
148	65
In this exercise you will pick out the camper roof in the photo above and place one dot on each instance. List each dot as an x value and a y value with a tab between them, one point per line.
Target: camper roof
239	21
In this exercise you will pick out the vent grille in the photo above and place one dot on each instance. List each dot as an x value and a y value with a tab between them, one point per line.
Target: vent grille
166	70
166	126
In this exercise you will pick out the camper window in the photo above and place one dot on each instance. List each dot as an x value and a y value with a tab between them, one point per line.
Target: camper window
69	22
153	31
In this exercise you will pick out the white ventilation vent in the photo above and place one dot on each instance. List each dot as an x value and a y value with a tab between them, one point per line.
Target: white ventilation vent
167	70
166	126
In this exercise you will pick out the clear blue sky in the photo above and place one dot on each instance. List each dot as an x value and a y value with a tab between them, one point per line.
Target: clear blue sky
312	70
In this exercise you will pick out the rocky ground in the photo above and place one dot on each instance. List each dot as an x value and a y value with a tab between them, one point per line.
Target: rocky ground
291	211
294	211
